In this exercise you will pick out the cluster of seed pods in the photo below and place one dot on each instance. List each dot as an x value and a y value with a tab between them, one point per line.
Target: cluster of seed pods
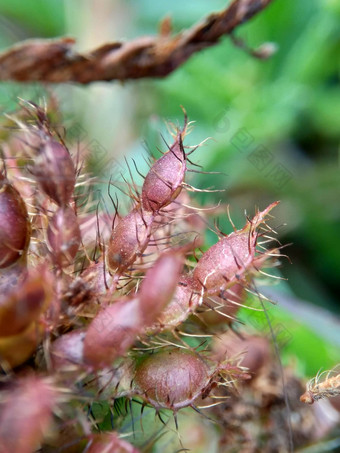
75	319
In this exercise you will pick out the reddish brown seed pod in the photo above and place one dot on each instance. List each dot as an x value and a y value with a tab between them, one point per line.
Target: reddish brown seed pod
129	239
25	415
163	183
24	303
228	261
159	285
183	303
14	224
220	312
97	277
63	236
54	171
109	442
172	379
68	350
112	332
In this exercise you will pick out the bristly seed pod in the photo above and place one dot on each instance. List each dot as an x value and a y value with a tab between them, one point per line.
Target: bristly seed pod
26	413
129	239
24	303
172	379
163	183
54	171
159	285
228	261
112	332
63	235
68	350
115	328
184	302
14	224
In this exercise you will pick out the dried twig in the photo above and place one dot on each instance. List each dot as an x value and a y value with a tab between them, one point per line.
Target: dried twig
55	60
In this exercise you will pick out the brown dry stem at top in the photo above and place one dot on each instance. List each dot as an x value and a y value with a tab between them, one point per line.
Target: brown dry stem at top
156	56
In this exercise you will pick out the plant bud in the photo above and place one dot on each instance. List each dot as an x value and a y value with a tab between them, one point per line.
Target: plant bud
26	413
14	224
172	379
55	172
63	235
163	183
129	239
24	303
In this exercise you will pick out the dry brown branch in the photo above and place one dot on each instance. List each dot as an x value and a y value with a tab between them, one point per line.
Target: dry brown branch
55	60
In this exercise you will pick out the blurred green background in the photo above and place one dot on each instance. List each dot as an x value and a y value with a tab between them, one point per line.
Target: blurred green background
275	128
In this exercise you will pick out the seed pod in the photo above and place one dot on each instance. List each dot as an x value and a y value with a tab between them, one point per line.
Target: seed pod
97	277
112	332
159	285
26	413
23	304
129	239
228	261
223	311
109	442
163	183
16	349
15	226
172	379
68	349
184	302
54	171
63	235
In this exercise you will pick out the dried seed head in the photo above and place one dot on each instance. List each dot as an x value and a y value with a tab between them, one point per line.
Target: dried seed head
112	332
26	413
172	379
129	239
63	235
324	385
163	183
55	172
23	304
15	226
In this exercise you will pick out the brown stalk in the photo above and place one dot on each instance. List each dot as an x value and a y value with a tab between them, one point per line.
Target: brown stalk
151	56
